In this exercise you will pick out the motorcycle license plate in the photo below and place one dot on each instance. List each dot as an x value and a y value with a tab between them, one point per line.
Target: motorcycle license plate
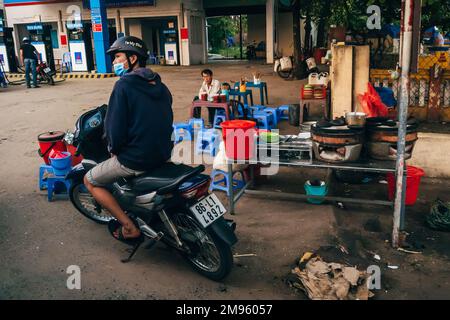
208	210
47	70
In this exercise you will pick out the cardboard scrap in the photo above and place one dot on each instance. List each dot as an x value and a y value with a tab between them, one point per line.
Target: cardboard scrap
321	280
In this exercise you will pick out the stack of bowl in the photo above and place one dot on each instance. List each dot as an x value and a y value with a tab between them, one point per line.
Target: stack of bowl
308	91
318	92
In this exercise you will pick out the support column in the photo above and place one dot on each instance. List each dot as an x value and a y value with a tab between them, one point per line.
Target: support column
205	39
101	35
270	30
403	102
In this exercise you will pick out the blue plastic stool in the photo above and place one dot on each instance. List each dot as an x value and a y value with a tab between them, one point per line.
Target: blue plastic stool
42	170
256	108
274	112
52	185
222	184
262	120
207	142
182	131
283	112
219	117
196	125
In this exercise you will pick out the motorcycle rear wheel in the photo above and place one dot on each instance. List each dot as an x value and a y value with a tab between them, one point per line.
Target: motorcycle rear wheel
84	202
51	81
211	256
284	74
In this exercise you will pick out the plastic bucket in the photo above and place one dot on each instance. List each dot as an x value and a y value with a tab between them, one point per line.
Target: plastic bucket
48	141
321	190
61	165
75	159
239	138
414	174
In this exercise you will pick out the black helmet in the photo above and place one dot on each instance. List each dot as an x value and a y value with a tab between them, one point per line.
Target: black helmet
131	45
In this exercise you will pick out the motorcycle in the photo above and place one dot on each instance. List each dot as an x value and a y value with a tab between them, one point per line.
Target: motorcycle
45	74
284	67
171	204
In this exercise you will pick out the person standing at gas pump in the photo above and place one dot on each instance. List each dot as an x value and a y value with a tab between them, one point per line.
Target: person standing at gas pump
29	57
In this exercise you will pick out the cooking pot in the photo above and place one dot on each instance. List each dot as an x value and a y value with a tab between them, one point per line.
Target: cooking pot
355	119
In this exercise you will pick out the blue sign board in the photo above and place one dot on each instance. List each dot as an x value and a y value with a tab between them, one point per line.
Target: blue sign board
76	25
122	3
36	26
78	58
96	17
170	31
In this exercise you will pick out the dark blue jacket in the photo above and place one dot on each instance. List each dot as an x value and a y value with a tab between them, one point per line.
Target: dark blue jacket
138	122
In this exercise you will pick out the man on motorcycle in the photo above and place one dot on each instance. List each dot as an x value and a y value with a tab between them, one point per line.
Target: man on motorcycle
138	128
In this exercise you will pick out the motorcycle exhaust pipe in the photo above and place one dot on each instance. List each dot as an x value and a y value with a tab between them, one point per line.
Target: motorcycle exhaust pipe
231	224
149	232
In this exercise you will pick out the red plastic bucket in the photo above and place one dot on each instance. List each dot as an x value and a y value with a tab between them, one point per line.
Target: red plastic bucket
52	140
412	184
75	159
239	138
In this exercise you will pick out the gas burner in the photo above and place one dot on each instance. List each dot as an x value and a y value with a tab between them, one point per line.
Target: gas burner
337	143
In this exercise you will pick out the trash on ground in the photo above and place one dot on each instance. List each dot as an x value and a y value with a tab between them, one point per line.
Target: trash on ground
408	251
439	216
343	249
392	267
244	255
340	205
321	280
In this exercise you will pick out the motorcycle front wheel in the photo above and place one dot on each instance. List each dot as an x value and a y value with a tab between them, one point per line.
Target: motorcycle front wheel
210	255
84	202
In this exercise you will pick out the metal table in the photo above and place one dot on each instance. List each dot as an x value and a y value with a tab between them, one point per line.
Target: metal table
262	86
373	166
208	104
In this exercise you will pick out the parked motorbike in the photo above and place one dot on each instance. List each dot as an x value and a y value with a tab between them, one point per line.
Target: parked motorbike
284	67
170	204
45	73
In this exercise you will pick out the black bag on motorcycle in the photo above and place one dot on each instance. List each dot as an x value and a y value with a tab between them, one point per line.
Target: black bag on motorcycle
89	135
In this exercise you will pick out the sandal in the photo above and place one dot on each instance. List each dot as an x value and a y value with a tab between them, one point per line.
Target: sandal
115	226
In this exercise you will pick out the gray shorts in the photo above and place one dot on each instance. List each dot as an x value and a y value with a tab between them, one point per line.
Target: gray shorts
109	171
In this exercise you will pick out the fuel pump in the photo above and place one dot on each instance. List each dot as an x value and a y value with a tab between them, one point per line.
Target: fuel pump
41	39
7	53
80	46
170	46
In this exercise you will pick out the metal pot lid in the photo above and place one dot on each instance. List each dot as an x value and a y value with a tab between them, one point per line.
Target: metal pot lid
51	136
393	127
335	130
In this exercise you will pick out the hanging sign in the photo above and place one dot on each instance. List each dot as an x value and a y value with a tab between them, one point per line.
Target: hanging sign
96	19
184	33
36	26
